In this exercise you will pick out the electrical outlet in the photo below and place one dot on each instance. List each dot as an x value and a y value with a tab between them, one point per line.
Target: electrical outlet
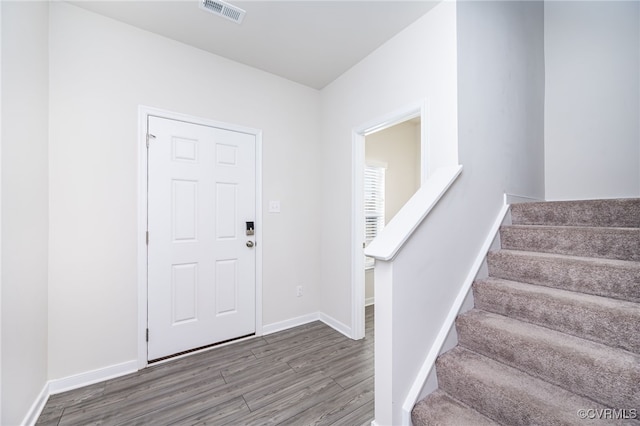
299	291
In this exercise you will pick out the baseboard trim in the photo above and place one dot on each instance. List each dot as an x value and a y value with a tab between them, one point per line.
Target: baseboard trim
290	323
90	377
74	382
369	301
513	198
336	325
36	408
305	319
432	355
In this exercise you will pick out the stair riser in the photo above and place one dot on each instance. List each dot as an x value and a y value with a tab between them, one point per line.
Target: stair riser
611	213
608	243
616	328
495	392
475	393
619	280
604	375
439	408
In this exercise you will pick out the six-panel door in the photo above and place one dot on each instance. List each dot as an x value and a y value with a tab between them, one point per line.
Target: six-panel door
201	271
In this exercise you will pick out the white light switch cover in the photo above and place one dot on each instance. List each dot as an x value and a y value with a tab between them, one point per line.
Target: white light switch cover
274	206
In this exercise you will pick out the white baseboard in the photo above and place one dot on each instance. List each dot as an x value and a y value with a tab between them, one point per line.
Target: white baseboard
429	362
290	323
513	198
369	301
36	408
74	382
335	324
91	377
304	319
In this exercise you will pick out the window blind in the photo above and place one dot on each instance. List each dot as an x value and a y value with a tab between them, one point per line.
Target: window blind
373	206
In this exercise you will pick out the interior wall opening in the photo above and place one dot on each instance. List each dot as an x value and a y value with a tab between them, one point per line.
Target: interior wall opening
392	174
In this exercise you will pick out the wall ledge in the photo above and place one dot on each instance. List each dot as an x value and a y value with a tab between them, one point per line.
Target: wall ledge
393	236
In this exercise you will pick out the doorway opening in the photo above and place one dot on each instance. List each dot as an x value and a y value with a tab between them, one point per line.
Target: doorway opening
393	146
391	176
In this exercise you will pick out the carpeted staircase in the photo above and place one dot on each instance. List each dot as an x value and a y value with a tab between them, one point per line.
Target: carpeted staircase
556	325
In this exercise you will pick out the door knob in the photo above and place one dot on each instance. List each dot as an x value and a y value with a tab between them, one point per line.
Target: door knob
250	244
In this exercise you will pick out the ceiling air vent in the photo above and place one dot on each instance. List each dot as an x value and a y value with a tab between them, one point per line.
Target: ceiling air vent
223	9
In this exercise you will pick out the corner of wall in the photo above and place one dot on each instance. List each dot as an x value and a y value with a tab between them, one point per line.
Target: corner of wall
35	411
24	99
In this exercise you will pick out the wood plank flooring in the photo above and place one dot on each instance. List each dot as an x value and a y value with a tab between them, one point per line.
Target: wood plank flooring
308	375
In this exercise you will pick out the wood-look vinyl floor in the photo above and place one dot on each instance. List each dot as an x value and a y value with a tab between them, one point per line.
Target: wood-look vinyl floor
309	374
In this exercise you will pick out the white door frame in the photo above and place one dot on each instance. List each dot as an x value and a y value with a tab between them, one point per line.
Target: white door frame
418	109
143	113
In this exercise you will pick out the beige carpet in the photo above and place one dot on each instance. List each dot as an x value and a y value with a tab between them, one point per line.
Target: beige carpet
554	337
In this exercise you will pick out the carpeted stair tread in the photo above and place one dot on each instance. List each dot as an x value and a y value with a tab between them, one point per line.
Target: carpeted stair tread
610	213
507	395
555	327
441	409
607	375
600	319
618	279
610	243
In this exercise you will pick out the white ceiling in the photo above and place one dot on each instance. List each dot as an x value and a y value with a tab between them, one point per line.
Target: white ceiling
311	42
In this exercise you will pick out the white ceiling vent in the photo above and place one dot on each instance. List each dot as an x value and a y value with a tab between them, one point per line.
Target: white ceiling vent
223	9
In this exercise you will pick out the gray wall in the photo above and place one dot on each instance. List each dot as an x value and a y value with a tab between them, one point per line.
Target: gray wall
592	116
501	96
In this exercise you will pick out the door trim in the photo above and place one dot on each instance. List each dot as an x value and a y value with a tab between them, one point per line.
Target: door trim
417	109
143	113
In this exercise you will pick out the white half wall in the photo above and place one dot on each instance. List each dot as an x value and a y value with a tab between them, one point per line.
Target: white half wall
500	107
101	71
592	114
25	200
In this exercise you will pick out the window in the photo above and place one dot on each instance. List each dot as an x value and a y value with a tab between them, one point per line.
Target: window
373	206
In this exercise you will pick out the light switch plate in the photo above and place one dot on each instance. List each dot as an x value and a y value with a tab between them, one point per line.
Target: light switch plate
274	206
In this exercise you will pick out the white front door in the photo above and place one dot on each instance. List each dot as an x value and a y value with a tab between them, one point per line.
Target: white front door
201	262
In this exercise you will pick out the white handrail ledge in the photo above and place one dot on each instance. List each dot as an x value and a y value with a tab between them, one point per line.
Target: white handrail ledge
393	236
